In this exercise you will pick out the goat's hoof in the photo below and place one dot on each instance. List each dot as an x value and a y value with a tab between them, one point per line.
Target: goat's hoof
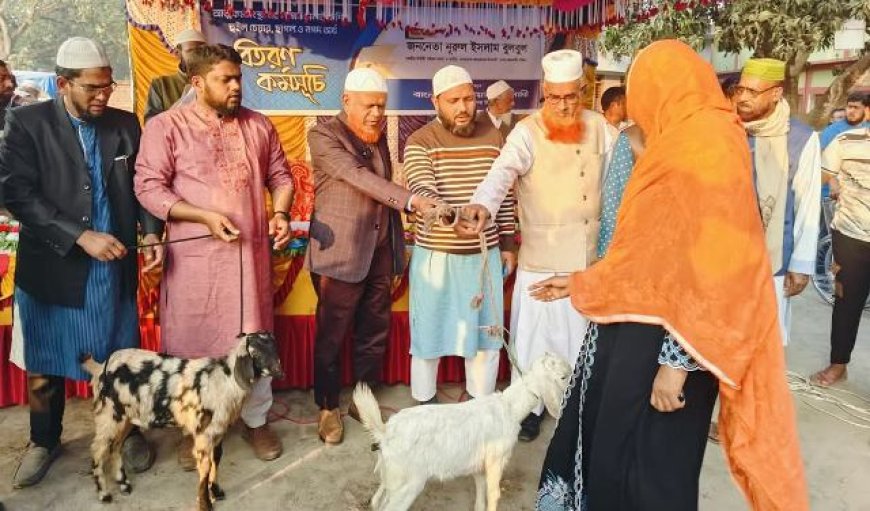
217	492
106	498
125	488
205	505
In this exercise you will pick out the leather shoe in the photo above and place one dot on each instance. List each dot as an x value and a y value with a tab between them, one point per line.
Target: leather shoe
185	453
137	453
329	427
266	444
530	428
34	465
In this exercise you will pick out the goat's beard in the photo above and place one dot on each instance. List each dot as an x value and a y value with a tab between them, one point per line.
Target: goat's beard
367	134
563	131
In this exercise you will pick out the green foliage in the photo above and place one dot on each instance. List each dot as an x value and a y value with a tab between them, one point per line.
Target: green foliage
773	28
787	28
693	26
32	30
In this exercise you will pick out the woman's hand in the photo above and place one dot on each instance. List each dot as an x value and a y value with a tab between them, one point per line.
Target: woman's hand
667	390
551	289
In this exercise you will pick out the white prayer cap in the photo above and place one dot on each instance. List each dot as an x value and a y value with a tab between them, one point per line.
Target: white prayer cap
562	66
448	77
81	53
189	36
497	89
365	79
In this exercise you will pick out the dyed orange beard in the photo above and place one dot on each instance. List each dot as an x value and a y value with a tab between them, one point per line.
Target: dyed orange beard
562	131
366	134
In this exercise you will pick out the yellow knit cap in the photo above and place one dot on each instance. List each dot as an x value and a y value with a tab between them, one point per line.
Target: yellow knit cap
771	70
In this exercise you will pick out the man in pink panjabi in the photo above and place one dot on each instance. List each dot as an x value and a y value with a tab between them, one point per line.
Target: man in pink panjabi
203	167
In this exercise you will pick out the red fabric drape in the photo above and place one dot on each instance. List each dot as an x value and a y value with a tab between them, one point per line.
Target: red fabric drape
295	335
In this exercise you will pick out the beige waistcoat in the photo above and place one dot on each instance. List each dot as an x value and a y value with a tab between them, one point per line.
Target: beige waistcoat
560	199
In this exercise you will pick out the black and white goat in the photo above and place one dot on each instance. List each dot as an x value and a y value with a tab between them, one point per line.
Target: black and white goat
447	441
150	390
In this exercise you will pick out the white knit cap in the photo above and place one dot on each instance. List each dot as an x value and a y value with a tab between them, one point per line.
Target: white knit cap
81	53
497	89
189	36
365	79
562	66
448	77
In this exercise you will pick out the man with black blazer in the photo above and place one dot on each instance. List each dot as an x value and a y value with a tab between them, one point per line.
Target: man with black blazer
356	241
66	168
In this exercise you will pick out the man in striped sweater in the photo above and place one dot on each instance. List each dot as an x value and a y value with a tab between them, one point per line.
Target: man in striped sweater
446	160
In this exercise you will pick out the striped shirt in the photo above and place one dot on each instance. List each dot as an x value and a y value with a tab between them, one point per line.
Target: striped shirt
848	158
441	165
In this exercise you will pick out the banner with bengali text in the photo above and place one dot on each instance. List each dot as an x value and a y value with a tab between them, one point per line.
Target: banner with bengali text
298	66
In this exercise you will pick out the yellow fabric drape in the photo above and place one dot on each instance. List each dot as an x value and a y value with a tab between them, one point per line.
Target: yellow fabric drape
291	133
150	59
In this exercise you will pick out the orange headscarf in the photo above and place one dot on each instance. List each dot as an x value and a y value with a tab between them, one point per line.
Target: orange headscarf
688	254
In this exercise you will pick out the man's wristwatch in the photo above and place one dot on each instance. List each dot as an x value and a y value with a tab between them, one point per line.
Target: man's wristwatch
285	214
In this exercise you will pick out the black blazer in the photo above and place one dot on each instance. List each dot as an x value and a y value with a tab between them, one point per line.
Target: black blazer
47	187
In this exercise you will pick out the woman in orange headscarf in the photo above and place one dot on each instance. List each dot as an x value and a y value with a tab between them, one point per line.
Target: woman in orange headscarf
688	261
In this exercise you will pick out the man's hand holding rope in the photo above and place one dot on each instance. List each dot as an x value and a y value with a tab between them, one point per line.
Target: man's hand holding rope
152	254
472	221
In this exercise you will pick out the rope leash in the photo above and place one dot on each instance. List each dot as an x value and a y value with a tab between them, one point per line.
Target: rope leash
449	216
845	411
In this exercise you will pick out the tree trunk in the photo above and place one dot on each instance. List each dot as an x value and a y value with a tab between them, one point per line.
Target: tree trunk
793	71
838	91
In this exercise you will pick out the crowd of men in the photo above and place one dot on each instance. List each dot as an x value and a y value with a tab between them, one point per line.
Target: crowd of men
89	185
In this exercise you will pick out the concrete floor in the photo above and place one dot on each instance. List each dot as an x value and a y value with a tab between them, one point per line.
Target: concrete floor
310	476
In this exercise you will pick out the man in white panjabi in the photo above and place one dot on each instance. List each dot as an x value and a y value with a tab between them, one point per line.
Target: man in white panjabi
556	156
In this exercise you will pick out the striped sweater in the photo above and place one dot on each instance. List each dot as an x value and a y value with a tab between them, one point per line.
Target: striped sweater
444	166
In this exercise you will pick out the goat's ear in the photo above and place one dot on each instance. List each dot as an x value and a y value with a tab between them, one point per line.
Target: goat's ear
244	370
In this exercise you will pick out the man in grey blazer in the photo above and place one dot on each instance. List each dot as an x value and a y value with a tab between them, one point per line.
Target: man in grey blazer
356	241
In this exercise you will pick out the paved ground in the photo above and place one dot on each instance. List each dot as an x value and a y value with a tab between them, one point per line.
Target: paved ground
310	476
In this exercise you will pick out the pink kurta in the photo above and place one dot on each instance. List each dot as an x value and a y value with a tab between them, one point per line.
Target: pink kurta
223	165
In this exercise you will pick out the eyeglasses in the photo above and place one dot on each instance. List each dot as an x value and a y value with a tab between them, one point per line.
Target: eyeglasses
93	90
739	90
571	99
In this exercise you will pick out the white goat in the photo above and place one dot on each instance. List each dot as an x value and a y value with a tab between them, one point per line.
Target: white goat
447	441
203	396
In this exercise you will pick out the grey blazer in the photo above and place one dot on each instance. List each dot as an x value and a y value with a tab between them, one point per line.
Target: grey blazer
349	199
